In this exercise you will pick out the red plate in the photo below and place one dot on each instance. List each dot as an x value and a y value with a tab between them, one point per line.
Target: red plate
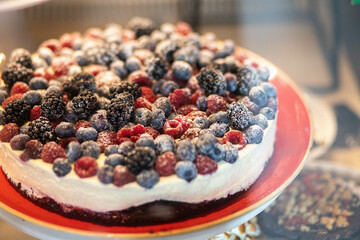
293	140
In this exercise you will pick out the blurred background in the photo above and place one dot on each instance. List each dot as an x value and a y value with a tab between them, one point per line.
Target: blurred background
316	42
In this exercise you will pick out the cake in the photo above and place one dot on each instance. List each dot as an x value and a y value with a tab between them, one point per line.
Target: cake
122	124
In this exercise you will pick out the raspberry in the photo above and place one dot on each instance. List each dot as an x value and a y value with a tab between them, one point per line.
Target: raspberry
148	93
140	77
173	128
66	141
132	133
128	35
165	164
82	123
61	65
183	28
186	109
8	132
205	165
195	114
123	139
52	44
230	97
106	138
95	69
241	55
35	112
55	122
33	150
143	103
11	98
235	137
142	54
122	176
152	132
191	133
215	104
19	87
86	167
51	152
67	39
178	98
47	73
185	122
196	95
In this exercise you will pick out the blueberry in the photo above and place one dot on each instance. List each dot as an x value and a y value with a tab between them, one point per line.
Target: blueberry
164	143
38	83
227	49
90	148
54	82
3	96
54	89
61	167
18	141
217	153
86	134
147	179
269	89
203	131
231	153
38	62
70	115
205	143
254	134
201	103
181	70
80	58
100	122
201	122
156	87
258	95
186	170
164	104
186	151
263	73
119	68
251	106
169	87
219	129
126	147
106	174
73	151
25	129
231	82
133	64
46	54
32	97
157	118
188	53
268	112
65	130
218	117
142	116
272	103
260	120
114	159
111	149
146	140
1	117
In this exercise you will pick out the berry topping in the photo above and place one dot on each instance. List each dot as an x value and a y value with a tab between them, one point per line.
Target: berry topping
191	133
82	123
16	111
231	153
65	130
251	106
168	87
246	79
269	89
205	165
219	117
205	143
61	167
142	116
235	137
215	104
41	130
186	109
157	119
73	151
239	116
106	138
260	120
148	94
32	98
90	148
185	151
141	26
11	98
126	147
132	88
19	141
202	103
132	134
85	104
100	122
140	77
258	95
269	113
16	73
147	179
141	158
111	149
164	104
22	57
143	103
178	98
146	140
78	83
19	87
152	132
53	106
114	159
254	134
86	167
217	153
181	70
212	81
106	174
219	129
165	164
156	68
122	176
173	128
119	111
186	170
86	134
52	151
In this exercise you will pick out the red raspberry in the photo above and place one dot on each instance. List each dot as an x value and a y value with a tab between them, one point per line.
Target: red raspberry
122	176
191	133
53	44
152	132
128	35
215	104
186	109
61	65
140	77
178	98
123	139
143	103
19	87
196	95
165	164
241	55
235	137
210	45
11	98
95	69
86	167
205	165
67	39
33	150
65	141
51	152
148	93
195	114
132	133
173	128
93	33
8	132
142	54
185	122
106	138
35	112
183	28
47	73
138	130
82	123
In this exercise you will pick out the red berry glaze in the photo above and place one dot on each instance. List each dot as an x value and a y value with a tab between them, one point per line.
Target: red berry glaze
52	151
235	137
106	138
205	165
19	87
8	132
86	167
165	164
122	176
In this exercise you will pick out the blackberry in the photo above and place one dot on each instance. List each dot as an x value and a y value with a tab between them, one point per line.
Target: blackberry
141	158
53	106
100	56
16	111
16	73
78	83
239	116
41	130
157	68
21	56
120	110
246	78
132	88
141	26
212	81
85	104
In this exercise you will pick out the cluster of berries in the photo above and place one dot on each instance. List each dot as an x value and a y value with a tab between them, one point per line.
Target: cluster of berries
155	101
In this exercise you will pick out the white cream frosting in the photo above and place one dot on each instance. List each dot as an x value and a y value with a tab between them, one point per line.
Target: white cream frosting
38	179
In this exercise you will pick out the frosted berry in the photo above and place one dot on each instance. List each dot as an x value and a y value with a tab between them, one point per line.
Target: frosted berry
235	137
111	149
165	164
205	165
106	138
122	176
219	117
8	132
258	95
231	153
32	98
126	147
61	167
106	174
73	151
19	141
65	130
86	134
86	167
146	140
217	153
52	151
186	170
164	143
260	120
185	151
181	70
147	179
142	116
90	148
269	113
157	118
254	134
141	158
114	159
164	104
239	116
219	129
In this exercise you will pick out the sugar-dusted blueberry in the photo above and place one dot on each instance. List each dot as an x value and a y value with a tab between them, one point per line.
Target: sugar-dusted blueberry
147	178
205	143
268	112
181	70
269	89
46	53
111	149
185	151
156	87
218	117
146	140
38	83
65	130
217	153
201	122
73	151
201	103
90	148
25	129
54	89
272	103
142	116
254	134
251	106
80	57
258	95
100	122
164	104
32	97
132	64
263	73
19	141
260	120
105	174
164	143
115	159
119	68
231	84
86	134
3	96
186	170
169	87
219	129
157	118
126	147
61	167
231	153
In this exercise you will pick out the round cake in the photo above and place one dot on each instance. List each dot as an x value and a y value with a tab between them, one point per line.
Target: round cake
125	124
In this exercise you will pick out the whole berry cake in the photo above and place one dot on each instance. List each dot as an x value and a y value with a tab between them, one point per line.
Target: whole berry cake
103	126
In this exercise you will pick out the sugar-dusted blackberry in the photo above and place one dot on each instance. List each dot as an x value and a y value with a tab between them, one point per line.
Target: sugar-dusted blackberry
41	130
246	78
100	55
239	116
120	110
16	111
132	88
141	158
53	106
16	73
21	56
141	26
212	81
85	104
157	67
78	83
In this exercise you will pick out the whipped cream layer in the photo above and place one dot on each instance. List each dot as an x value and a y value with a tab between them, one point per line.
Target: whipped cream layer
38	179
